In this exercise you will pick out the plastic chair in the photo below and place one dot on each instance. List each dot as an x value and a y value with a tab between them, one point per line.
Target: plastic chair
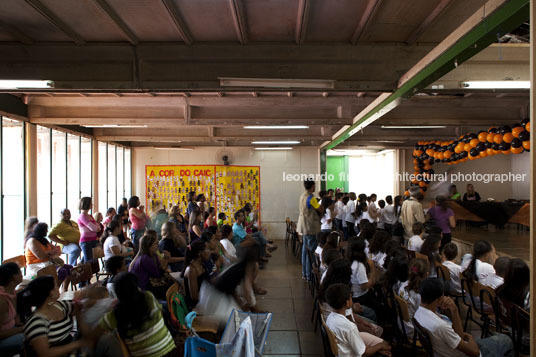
402	314
424	337
20	260
98	254
521	327
422	256
328	340
288	233
49	270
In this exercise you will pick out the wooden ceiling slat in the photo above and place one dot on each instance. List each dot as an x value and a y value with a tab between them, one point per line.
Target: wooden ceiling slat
239	20
178	20
372	7
16	33
302	21
116	20
430	19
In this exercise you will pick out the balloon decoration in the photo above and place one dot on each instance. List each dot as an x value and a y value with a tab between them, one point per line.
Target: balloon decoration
502	140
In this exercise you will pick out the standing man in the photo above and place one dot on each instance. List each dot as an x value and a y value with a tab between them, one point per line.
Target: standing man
308	224
412	211
350	214
339	210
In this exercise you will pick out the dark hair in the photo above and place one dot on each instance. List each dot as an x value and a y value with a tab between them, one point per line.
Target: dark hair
321	194
398	203
428	248
330	190
131	299
332	240
35	294
329	256
389	200
392	248
480	249
322	238
442	202
397	270
247	207
373	195
109	230
114	263
133	202
39	233
368	231
200	197
212	229
205	215
356	252
221	215
431	290
337	295
110	210
339	271
226	230
378	242
193	251
516	283
345	200
206	236
117	218
7	272
85	203
211	209
308	184
326	202
417	228
381	203
191	196
338	195
237	213
28	225
418	270
361	207
450	250
501	266
230	278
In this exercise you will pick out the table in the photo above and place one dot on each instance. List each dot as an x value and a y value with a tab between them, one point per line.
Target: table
496	213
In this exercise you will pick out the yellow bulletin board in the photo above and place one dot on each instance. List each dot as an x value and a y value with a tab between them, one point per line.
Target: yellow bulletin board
227	188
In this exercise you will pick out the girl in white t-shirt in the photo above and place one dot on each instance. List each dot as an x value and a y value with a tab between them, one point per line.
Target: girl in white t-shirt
409	290
362	276
327	220
376	251
481	265
110	241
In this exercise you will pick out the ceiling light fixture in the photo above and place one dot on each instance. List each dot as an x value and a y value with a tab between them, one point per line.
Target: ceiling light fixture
413	126
172	148
289	142
277	83
495	85
114	126
23	84
280	148
270	127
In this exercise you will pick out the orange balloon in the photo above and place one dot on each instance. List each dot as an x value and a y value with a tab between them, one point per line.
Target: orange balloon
422	191
471	157
427	167
447	154
526	145
459	148
416	173
516	131
414	161
422	184
518	150
406	193
506	152
440	156
489	152
414	181
474	142
467	147
482	137
490	137
508	137
483	154
495	152
527	127
498	138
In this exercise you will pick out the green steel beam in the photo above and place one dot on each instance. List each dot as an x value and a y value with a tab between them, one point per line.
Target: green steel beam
506	18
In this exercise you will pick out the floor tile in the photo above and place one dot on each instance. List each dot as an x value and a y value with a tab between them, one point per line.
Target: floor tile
282	342
310	342
283	321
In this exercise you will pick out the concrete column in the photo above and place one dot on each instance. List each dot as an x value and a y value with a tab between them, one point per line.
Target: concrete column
95	178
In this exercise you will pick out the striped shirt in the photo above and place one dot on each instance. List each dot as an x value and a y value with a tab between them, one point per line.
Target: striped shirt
56	331
152	339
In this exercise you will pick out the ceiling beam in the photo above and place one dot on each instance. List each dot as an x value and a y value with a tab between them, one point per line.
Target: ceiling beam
56	21
109	121
239	20
176	16
475	34
430	19
16	33
371	7
161	138
302	21
116	21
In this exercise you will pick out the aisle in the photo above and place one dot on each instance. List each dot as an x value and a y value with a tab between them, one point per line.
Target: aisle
291	332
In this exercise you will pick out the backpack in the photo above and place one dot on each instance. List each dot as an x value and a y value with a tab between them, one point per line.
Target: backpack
178	310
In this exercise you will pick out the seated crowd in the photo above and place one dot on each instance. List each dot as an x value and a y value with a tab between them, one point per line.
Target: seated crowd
196	256
367	264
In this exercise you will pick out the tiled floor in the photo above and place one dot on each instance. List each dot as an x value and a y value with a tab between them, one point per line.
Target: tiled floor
291	332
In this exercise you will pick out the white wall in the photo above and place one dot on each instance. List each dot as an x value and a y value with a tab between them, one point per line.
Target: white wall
279	199
496	164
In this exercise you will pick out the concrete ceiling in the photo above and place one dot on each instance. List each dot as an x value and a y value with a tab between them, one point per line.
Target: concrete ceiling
157	63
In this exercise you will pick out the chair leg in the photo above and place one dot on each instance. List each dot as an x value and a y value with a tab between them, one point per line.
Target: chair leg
467	316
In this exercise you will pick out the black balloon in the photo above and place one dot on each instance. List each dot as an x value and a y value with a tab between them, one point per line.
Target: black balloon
504	146
516	143
474	152
493	130
525	121
524	135
495	146
487	144
481	147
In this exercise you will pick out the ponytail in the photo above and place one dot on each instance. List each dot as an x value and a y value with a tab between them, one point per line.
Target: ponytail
480	248
418	269
110	228
193	251
35	294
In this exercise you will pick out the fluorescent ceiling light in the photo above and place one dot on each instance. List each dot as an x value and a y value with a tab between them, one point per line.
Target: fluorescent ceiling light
289	142
171	148
280	148
413	126
495	85
23	83
277	83
115	126
269	127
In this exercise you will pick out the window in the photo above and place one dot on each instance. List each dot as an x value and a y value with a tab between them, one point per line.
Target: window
43	174
128	173
59	174
103	175
12	188
120	176
112	183
381	180
73	173
86	168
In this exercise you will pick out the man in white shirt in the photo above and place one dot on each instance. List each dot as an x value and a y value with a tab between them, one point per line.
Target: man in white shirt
448	339
373	211
339	210
350	214
416	241
450	252
349	342
389	214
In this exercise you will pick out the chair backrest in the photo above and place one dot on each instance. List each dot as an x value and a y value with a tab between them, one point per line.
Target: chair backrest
443	272
334	349
521	325
467	292
49	270
421	256
81	273
411	254
370	264
424	337
20	260
170	292
486	296
98	253
402	308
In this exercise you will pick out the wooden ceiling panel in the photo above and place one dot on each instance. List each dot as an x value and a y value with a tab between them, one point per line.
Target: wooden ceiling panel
273	20
450	19
86	19
30	22
148	20
208	20
333	20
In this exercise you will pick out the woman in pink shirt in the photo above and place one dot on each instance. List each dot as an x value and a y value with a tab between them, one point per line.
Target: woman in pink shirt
89	229
138	218
11	332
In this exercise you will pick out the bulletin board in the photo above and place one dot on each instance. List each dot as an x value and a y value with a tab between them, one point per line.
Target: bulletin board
227	188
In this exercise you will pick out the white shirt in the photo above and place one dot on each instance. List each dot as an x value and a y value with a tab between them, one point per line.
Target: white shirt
389	214
346	333
350	209
229	247
444	338
366	215
381	219
339	207
111	241
494	281
455	271
415	243
483	270
324	220
359	277
414	301
378	259
318	251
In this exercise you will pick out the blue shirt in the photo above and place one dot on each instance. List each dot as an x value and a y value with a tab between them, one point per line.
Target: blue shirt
239	234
